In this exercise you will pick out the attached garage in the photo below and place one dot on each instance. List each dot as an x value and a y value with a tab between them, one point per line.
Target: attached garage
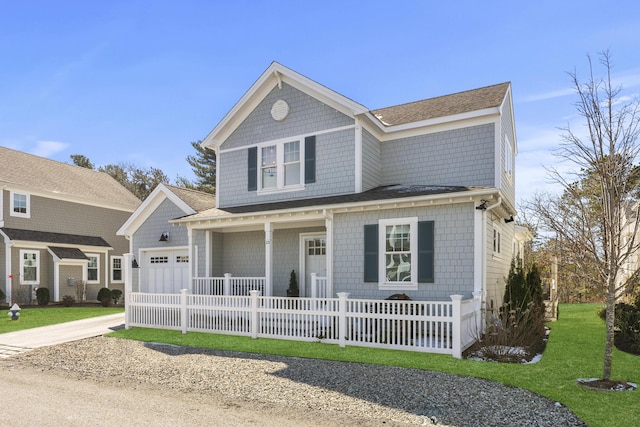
165	271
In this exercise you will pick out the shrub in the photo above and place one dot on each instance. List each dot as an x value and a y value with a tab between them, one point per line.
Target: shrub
105	296
42	296
2	296
68	301
116	294
627	325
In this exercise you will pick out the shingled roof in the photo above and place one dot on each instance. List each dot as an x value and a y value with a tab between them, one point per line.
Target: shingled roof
55	238
197	200
38	173
441	106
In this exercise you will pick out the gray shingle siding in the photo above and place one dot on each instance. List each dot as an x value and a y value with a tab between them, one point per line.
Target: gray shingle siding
371	161
306	115
148	234
508	185
457	157
453	252
335	173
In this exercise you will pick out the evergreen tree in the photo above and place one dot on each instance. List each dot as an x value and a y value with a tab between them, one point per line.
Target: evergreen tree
203	164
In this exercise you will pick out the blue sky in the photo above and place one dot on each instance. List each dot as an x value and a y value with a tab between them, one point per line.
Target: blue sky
137	81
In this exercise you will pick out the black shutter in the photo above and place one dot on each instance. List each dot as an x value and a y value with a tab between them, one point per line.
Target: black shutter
310	159
426	252
371	253
252	173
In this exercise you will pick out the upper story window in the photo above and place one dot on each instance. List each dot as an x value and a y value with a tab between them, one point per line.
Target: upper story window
282	165
20	205
93	268
508	158
497	241
30	267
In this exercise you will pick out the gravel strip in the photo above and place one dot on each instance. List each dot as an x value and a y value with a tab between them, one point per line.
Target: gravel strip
367	394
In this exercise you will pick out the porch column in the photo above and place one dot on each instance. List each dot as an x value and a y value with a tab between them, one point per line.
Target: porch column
328	224
268	258
192	273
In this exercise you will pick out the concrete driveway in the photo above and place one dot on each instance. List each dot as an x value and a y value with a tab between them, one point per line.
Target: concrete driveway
20	341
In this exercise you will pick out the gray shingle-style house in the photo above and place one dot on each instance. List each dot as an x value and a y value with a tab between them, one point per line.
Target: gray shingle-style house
161	252
58	226
416	199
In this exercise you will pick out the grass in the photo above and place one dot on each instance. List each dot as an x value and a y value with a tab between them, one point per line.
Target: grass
36	317
575	350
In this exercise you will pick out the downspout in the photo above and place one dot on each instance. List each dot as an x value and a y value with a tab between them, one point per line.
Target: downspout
483	290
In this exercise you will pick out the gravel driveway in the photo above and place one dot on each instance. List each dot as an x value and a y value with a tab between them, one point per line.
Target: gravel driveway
123	382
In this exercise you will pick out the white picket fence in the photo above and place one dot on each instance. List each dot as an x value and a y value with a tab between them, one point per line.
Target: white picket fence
447	327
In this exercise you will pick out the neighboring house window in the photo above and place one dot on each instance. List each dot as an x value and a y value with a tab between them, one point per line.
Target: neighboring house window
116	268
282	165
399	253
93	268
497	240
508	158
30	267
20	205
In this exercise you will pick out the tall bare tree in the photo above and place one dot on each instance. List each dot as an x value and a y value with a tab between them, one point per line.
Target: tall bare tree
596	219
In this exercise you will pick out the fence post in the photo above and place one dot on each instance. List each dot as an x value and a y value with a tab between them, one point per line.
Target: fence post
128	283
227	284
314	285
342	318
184	318
456	330
254	326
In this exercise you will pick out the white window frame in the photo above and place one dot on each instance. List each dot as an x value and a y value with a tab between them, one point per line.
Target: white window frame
97	257
12	211
112	269
496	240
383	283
508	158
281	166
23	252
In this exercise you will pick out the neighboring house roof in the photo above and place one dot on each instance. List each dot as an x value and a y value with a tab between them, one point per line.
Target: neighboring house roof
82	185
447	105
55	238
67	253
187	200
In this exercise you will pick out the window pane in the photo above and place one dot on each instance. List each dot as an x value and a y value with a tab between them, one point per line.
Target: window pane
117	274
398	267
398	238
292	174
292	152
20	203
269	167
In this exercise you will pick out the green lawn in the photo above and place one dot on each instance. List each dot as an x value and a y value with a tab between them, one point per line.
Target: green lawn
575	350
35	317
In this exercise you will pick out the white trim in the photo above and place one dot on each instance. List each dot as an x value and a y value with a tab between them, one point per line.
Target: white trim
302	264
97	280
27	196
111	259
288	139
383	284
479	249
358	158
149	206
37	266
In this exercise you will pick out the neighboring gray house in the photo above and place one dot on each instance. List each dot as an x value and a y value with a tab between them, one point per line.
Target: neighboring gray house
161	252
417	198
58	227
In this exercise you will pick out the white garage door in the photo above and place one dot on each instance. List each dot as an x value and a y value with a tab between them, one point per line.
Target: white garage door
165	271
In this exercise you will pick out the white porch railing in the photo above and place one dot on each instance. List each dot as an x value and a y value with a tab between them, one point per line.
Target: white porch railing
437	327
228	285
319	287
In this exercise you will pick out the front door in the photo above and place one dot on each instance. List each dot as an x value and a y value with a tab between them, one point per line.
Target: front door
315	261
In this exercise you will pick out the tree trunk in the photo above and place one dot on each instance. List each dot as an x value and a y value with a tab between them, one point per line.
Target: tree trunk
610	320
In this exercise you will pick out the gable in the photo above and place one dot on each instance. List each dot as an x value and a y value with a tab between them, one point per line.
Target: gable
305	115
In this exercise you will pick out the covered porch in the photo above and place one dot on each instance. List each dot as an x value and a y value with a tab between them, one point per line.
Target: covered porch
233	255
